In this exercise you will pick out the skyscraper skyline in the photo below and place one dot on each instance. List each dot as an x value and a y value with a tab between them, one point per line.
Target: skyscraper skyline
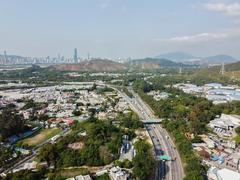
103	23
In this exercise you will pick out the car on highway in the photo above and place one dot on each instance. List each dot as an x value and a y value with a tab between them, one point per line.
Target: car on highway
160	152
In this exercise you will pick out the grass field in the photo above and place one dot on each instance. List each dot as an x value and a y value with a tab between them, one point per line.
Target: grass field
40	137
67	173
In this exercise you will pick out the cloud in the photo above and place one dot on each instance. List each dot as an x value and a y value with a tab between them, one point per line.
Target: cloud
199	37
232	9
203	37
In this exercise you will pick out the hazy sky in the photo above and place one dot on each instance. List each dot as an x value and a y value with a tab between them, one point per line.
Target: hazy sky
119	28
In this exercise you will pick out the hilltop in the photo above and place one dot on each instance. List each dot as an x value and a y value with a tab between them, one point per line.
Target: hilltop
97	65
154	63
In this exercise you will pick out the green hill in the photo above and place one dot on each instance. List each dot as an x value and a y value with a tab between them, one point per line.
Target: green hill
155	63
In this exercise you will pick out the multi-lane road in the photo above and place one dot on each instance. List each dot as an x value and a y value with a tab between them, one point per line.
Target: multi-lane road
169	170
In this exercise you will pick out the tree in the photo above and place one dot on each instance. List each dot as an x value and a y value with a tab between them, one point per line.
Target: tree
143	162
49	154
43	118
238	130
76	112
92	111
26	175
5	155
196	126
11	123
127	164
105	155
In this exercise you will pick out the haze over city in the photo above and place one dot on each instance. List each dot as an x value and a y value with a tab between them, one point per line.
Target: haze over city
120	90
112	29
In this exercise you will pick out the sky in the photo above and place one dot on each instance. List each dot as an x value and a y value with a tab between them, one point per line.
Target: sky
119	28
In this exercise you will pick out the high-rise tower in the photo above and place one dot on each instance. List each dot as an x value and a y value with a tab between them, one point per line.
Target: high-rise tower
88	56
5	58
75	56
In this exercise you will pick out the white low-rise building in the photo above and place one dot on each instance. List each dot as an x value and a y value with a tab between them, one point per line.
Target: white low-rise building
222	174
225	124
116	173
81	177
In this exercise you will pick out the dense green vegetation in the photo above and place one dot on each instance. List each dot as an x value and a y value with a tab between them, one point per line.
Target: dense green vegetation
26	175
99	147
5	155
11	123
62	174
193	168
124	164
196	111
198	77
41	76
105	89
103	177
230	108
130	120
182	113
143	162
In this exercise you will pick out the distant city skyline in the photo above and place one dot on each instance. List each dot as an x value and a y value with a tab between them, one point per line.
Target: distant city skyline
113	29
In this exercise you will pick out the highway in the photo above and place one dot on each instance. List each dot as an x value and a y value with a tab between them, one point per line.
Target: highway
169	170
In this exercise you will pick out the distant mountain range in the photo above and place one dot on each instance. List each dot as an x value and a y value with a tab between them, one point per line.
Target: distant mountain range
190	59
102	65
168	60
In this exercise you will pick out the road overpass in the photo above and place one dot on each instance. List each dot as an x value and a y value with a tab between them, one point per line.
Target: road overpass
152	121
